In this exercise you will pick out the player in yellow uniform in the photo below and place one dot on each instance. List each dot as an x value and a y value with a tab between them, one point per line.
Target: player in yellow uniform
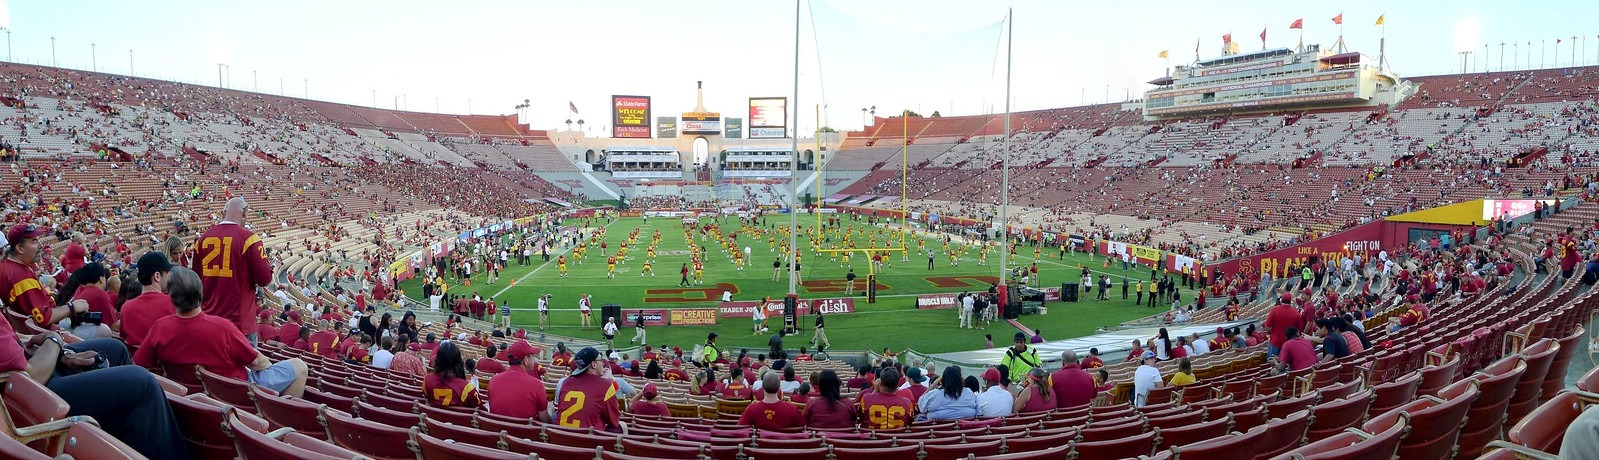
738	259
560	263
649	256
610	267
699	273
646	268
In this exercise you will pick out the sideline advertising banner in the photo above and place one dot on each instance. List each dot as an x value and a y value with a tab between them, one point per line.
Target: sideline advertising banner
691	316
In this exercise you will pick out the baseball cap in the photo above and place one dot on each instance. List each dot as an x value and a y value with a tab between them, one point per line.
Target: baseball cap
991	375
1285	298
710	336
915	374
153	262
1147	355
1020	336
650	391
584	358
294	315
21	232
519	350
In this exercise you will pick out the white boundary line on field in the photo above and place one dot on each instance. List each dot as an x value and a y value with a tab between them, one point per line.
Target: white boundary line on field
536	269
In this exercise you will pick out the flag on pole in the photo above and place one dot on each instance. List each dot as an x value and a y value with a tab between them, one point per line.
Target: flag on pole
1298	24
1227	38
572	106
1380	18
1163	53
1339	19
1196	50
1557	41
1262	36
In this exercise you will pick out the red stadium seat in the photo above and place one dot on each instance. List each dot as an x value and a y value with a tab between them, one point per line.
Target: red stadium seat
445	414
957	451
1555	380
461	434
1434	422
1538	357
586	438
1224	447
550	451
282	411
1185	418
486	421
11	449
1496	383
1589	382
1053	453
1108	431
1336	416
1434	378
1038	442
1159	395
232	391
201	422
86	440
1545	428
1121	447
1291	405
377	440
875	453
1394	394
257	446
1195	432
1339	390
650	449
387	417
1357	445
432	448
185	375
1283	434
27	403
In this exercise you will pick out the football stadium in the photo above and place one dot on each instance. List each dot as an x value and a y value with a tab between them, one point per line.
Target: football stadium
663	234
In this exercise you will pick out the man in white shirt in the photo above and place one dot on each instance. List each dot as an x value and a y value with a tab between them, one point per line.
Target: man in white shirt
996	400
1200	346
1146	378
544	310
436	299
381	357
967	303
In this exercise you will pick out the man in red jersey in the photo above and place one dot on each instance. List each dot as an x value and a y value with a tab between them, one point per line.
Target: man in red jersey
1071	385
232	263
771	412
885	410
488	364
324	342
1281	317
517	392
19	280
191	337
1568	256
587	399
140	313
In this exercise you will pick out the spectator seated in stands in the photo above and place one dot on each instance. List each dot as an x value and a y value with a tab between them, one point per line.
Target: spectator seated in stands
190	337
645	404
449	385
89	282
1297	354
151	304
949	400
771	412
996	400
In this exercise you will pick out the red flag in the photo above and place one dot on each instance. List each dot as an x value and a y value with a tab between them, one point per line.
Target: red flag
1298	24
1339	19
1262	36
569	104
1557	41
1227	38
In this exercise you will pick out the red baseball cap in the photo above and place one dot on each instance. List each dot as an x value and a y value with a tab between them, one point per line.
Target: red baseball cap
991	375
519	350
650	391
20	232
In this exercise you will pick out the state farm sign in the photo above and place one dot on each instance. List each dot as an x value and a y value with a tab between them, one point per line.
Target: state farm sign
774	309
936	301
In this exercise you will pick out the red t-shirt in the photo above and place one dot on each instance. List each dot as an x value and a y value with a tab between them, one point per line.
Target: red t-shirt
676	375
450	391
23	294
885	411
1093	363
517	394
1072	386
780	415
72	257
231	265
289	333
1279	320
737	390
1298	354
587	401
140	313
98	301
325	343
1036	402
490	365
12	357
360	355
820	413
202	339
642	407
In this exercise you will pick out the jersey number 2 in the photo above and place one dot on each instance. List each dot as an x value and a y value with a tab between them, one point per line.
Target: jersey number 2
576	398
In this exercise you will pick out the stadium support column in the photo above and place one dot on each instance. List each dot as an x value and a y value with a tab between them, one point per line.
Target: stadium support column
793	173
1004	187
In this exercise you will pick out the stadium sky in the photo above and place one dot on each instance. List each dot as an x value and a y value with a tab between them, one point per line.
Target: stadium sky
926	55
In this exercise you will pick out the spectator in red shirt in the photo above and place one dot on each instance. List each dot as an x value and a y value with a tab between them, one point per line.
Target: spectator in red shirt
142	312
883	409
517	393
1282	317
232	263
1072	385
488	364
771	412
359	353
449	385
19	281
1137	352
829	409
645	404
88	283
73	257
587	399
1093	361
324	342
1297	353
191	337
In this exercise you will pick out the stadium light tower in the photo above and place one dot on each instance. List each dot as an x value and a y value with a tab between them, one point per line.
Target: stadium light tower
1463	56
94	59
1004	160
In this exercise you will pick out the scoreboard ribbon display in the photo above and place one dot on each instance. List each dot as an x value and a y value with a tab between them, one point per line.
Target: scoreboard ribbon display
630	117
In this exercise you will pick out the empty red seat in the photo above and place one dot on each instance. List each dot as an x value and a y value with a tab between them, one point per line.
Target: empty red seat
651	449
1434	378
1112	430
1434	422
232	391
386	416
1194	432
201	420
1495	384
282	444
1038	442
281	411
1283	434
1226	447
1337	415
461	434
1356	445
432	448
1121	447
1555	380
1538	357
1393	394
1053	453
373	439
1181	419
873	453
552	451
1545	428
958	450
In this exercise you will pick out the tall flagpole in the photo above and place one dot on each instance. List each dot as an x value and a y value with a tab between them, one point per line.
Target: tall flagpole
1382	43
793	172
1004	187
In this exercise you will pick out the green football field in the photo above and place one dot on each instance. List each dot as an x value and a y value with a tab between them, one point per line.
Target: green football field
893	321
